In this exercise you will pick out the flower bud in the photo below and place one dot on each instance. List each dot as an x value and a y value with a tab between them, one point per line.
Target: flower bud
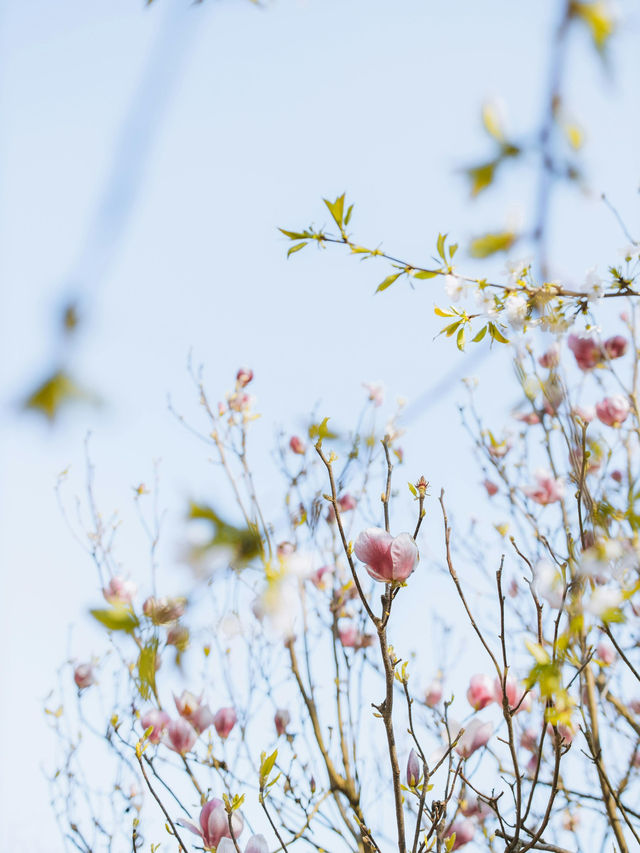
281	720
297	445
83	675
224	721
180	736
480	692
433	693
616	346
244	377
413	769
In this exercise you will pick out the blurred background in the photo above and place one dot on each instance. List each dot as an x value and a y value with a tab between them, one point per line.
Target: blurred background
148	156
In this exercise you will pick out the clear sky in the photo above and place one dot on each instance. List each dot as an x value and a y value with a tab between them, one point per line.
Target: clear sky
148	156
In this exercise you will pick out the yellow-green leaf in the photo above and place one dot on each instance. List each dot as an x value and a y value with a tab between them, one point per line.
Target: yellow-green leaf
296	248
117	618
492	121
427	273
489	244
388	281
440	245
481	176
336	209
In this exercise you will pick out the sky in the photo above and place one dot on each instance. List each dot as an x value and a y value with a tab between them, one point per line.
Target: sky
148	156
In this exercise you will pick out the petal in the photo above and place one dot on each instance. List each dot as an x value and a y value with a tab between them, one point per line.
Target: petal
187	824
404	556
257	844
373	548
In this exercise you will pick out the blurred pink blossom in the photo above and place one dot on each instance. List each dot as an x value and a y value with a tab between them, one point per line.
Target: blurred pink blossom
224	721
297	445
119	591
548	490
281	720
491	488
481	691
587	351
616	346
244	376
475	736
464	830
433	693
180	736
158	721
613	410
83	675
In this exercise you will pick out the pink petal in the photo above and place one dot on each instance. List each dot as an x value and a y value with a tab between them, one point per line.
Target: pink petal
373	548
404	555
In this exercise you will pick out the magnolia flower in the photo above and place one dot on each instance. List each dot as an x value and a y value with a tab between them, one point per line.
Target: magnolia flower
614	410
256	844
548	490
491	488
529	740
83	675
164	611
433	693
455	287
475	735
214	825
187	703
413	769
387	558
480	692
616	346
473	807
320	576
202	718
588	353
224	721
550	358
244	376
281	720
529	418
157	721
352	638
180	736
464	831
585	413
119	591
606	653
297	445
513	692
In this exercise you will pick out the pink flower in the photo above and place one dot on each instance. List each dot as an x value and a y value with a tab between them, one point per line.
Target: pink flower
83	675
613	411
244	377
616	346
157	721
224	721
317	577
617	475
514	694
119	591
413	769
530	418
475	735
348	634
588	353
433	693
180	736
551	358
281	720
491	488
388	559
297	445
473	807
606	653
256	844
499	449
480	692
529	739
376	392
464	831
201	718
347	502
547	491
163	611
187	704
585	413
214	824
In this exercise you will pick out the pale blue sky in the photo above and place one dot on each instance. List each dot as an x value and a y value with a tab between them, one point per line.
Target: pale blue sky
270	109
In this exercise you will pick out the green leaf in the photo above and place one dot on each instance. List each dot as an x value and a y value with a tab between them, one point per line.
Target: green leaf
56	392
497	335
245	542
117	618
296	248
442	313
451	329
453	248
481	176
480	335
460	339
413	490
147	669
347	217
427	273
388	281
295	235
440	245
321	431
267	765
489	244
336	209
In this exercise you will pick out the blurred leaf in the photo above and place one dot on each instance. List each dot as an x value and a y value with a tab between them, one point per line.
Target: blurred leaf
321	430
295	235
427	274
245	542
496	334
57	391
574	134
599	19
147	669
492	121
296	248
118	618
489	244
481	176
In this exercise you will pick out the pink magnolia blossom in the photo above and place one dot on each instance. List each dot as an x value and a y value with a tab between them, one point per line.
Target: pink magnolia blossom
157	721
499	449
178	636
187	703
348	634
514	692
239	402
244	376
550	358
347	502
213	825
585	413
475	736
547	491
387	558
480	692
433	693
606	653
320	576
413	769
491	488
297	445
202	718
164	610
616	346
83	675
376	392
119	591
224	721
617	476
529	418
473	807
529	740
464	831
180	736
281	720
613	410
256	844
587	351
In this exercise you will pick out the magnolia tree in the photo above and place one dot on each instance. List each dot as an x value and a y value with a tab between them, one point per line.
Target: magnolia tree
286	701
